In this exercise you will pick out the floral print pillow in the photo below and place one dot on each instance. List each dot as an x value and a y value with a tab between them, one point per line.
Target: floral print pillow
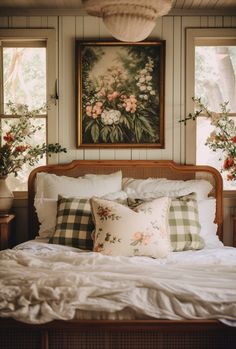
121	231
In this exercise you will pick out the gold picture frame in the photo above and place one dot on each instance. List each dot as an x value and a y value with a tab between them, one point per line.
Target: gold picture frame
120	94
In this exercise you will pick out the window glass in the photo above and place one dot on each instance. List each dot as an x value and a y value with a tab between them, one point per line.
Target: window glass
24	82
24	76
215	77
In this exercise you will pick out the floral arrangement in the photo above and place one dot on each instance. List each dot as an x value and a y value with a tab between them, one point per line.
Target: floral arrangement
122	104
223	137
16	149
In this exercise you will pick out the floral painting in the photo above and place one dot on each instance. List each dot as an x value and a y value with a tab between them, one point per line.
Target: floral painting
120	94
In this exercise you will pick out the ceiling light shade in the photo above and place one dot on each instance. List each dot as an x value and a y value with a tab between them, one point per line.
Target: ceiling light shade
128	20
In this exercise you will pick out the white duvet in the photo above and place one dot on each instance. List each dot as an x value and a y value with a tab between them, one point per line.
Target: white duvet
41	282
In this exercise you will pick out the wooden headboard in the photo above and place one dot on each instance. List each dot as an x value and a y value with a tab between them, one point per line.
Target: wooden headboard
130	168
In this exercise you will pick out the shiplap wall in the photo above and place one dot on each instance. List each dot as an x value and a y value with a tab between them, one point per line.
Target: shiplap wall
169	28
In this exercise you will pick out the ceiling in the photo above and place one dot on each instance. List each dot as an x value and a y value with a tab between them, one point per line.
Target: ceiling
47	7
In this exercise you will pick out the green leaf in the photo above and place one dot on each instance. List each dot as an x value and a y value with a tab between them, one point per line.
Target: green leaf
125	121
138	130
104	133
95	132
89	124
147	126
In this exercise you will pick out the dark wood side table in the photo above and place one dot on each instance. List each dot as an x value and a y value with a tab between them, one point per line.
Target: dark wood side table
234	231
6	231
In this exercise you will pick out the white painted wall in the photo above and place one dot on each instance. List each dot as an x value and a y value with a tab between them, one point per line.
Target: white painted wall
169	28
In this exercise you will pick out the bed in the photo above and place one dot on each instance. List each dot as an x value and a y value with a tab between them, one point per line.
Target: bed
140	328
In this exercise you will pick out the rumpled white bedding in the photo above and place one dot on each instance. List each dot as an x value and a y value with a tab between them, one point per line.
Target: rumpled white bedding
41	282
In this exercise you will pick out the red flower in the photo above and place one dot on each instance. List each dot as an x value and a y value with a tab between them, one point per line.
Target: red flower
229	177
21	148
233	139
8	138
229	162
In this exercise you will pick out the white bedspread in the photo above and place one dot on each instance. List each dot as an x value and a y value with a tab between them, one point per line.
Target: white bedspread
41	282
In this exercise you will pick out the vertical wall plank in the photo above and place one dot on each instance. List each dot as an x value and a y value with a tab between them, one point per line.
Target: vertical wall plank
35	22
123	154
167	35
219	21
67	134
44	22
139	154
4	22
187	21
156	34
107	154
204	21
227	21
176	113
91	31
52	22
18	22
79	35
211	21
103	31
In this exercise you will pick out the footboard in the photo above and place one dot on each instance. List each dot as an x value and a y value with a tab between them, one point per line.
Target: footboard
117	334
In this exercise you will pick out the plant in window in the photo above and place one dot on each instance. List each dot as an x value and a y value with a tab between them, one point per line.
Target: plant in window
16	149
223	137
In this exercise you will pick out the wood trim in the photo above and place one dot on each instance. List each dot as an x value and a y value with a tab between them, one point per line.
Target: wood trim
121	325
137	168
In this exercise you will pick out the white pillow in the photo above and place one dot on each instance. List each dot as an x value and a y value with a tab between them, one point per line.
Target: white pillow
46	210
50	185
157	187
121	231
206	212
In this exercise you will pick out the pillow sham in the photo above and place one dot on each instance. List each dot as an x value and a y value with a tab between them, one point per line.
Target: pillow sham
157	187
183	222
207	211
50	185
140	232
46	210
184	225
74	224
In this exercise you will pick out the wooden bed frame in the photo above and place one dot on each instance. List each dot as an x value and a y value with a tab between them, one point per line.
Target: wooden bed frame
136	334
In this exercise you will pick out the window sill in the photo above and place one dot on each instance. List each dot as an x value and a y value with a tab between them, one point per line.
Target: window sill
229	193
20	195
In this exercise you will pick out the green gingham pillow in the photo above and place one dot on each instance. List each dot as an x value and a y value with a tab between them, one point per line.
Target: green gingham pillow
74	224
183	222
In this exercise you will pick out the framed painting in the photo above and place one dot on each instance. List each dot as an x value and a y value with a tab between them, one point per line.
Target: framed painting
120	94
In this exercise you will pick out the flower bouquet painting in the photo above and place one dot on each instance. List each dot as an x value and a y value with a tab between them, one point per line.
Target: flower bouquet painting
120	94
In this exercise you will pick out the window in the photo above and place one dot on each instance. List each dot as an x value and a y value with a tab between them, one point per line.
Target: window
24	63
214	80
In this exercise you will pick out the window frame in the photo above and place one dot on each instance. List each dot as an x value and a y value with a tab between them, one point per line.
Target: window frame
193	37
48	36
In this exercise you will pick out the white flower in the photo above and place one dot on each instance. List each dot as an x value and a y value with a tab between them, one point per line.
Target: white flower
152	92
110	117
142	79
149	88
145	97
148	78
143	71
142	87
